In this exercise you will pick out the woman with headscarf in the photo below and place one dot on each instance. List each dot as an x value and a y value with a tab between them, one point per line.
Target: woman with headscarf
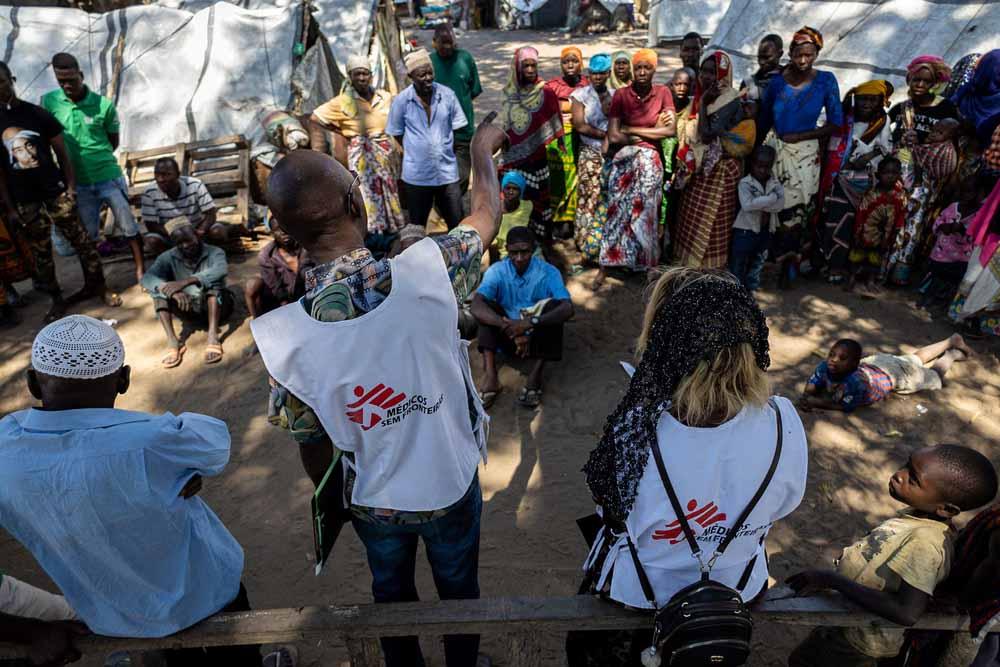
357	117
854	154
590	122
978	100
700	396
977	304
531	117
789	110
641	115
713	161
621	70
912	121
561	153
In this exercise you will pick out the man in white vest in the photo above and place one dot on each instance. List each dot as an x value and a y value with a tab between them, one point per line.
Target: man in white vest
369	375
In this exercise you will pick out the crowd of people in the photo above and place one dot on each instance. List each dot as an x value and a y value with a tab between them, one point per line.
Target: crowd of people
716	180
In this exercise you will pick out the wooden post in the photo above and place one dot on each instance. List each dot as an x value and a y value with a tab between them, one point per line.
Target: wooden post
364	651
526	649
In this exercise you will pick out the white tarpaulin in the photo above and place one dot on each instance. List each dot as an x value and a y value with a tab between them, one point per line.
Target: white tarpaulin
346	24
863	40
672	19
175	76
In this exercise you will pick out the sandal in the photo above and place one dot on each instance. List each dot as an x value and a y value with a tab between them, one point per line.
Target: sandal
530	398
213	354
174	357
488	398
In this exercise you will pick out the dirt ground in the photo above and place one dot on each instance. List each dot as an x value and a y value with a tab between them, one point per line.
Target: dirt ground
533	486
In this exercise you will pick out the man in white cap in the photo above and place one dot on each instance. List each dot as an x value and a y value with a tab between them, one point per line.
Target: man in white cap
424	117
356	120
105	499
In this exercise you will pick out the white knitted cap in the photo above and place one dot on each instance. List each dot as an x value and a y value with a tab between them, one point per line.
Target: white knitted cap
78	347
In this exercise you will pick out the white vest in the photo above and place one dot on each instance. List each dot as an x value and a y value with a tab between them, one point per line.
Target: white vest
393	386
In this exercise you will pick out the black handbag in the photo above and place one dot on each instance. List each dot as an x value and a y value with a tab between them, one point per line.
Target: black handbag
706	623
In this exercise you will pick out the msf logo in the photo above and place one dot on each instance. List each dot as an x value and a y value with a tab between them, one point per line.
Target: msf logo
704	516
371	405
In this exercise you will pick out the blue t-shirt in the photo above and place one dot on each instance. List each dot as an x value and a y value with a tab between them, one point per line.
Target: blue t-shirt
512	292
790	110
864	386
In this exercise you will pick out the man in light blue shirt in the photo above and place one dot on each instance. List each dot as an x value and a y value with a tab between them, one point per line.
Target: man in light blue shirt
424	117
521	307
104	499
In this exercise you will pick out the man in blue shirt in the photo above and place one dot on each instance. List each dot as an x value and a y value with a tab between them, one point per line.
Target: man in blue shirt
104	499
424	117
521	306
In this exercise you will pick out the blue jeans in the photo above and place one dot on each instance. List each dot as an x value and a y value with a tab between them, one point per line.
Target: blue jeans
746	258
89	199
452	544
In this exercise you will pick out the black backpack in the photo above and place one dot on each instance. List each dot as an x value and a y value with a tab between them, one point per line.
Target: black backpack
706	623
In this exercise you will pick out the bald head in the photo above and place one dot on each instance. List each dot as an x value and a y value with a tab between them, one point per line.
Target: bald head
307	194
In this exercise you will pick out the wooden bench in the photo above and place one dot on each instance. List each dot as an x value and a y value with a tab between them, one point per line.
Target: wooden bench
523	620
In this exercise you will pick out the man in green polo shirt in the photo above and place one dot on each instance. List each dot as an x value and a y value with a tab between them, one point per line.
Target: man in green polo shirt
90	124
455	68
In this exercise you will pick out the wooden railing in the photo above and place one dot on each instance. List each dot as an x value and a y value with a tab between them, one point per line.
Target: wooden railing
524	621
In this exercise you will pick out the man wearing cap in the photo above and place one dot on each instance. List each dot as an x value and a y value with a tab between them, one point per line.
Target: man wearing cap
425	117
189	281
105	499
456	68
356	120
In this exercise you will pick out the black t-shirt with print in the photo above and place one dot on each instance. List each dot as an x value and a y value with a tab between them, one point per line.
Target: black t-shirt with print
26	132
924	119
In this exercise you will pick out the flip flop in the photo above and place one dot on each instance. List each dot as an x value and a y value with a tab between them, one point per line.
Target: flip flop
489	397
530	398
216	349
174	357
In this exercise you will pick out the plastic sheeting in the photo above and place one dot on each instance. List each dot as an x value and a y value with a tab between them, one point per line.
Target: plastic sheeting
863	40
672	19
175	76
346	24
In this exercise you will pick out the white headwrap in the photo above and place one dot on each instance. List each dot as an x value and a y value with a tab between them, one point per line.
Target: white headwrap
358	62
416	59
77	347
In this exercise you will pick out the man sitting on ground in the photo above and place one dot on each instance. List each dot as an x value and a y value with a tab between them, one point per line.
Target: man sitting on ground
521	307
846	381
175	196
104	499
189	281
283	263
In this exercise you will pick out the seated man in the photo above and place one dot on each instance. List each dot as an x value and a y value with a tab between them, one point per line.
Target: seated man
846	381
283	263
521	307
104	499
175	196
189	281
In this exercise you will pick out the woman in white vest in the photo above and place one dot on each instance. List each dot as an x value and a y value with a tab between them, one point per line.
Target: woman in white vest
700	395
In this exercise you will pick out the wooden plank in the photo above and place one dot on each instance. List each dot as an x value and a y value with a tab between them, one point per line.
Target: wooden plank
232	178
237	139
228	162
525	649
364	651
492	615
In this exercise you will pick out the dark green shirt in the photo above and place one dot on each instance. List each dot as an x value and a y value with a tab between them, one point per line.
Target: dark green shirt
460	74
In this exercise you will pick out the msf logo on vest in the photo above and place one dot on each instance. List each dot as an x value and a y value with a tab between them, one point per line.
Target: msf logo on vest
384	406
704	516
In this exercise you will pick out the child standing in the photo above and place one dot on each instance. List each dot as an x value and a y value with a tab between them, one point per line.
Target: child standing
516	211
893	570
953	245
761	198
881	213
846	381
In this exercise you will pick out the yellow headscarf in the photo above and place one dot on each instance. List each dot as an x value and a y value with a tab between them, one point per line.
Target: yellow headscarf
615	82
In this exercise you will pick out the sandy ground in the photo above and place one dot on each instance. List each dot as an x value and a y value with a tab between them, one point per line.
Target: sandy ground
533	486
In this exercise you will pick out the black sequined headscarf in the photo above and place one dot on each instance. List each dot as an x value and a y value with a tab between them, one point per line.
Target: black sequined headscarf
696	322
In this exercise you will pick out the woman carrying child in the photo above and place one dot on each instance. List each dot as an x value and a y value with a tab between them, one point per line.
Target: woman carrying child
881	214
713	160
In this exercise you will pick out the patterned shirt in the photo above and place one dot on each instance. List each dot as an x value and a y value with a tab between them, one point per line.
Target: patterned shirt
192	202
349	287
864	386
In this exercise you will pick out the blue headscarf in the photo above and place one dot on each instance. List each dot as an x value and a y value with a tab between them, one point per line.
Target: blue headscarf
600	62
979	99
514	178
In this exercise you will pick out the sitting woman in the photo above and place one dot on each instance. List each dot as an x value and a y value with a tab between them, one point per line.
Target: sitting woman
709	201
700	395
640	116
